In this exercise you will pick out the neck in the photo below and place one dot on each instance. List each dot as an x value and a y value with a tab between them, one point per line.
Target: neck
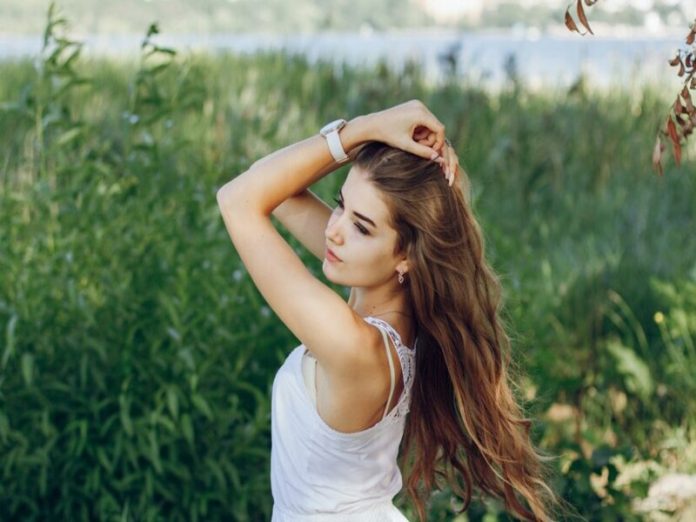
390	306
378	301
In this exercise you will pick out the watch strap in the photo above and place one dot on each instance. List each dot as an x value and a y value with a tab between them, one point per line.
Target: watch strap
330	131
336	147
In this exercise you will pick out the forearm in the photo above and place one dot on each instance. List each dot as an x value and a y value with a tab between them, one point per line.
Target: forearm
288	171
305	199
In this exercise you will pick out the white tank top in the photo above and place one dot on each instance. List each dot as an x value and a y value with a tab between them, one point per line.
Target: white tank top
319	474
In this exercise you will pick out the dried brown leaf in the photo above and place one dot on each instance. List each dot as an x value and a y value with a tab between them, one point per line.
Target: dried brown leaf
674	138
671	129
582	17
686	96
570	23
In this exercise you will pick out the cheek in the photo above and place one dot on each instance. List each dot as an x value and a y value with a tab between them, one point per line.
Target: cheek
332	219
373	257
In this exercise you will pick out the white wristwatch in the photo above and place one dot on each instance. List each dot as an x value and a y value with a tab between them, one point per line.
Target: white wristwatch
330	132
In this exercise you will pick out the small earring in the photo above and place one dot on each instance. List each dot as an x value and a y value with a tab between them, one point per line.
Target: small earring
401	277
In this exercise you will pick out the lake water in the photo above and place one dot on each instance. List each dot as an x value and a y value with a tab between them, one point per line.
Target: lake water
540	60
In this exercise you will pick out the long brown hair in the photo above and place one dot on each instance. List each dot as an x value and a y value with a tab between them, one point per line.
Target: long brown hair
464	425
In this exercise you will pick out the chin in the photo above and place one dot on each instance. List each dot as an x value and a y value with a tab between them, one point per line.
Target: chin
331	275
328	273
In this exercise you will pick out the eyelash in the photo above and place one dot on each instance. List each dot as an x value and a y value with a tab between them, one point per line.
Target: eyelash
361	228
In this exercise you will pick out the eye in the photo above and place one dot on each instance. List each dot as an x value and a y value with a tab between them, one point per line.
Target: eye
360	228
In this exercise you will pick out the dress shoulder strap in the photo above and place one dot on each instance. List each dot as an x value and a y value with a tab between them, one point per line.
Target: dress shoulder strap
406	354
391	370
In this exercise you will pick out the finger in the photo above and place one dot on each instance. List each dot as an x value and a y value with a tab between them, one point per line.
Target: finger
430	139
439	131
420	133
445	162
427	140
435	126
452	160
424	151
455	174
420	149
442	162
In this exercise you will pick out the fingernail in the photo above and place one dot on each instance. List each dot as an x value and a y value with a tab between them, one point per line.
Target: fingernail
435	155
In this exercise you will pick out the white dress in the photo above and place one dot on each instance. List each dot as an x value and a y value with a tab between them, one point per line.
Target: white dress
319	474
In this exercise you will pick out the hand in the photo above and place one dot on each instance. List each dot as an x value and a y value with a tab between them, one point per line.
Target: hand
411	127
448	159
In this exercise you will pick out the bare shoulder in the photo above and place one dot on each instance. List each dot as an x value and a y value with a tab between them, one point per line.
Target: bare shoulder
358	355
354	397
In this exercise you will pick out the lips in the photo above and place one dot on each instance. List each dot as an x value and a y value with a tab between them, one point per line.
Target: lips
331	256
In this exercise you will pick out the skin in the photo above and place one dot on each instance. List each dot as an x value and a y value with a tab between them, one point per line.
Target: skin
352	367
368	263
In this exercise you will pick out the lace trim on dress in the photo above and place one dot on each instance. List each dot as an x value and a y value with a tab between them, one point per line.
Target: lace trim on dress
407	357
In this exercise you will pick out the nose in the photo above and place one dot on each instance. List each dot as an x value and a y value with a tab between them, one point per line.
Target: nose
333	232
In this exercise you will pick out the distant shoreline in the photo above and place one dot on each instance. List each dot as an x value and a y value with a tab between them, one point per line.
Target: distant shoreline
601	30
550	58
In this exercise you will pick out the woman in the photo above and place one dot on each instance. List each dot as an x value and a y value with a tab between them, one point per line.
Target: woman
420	332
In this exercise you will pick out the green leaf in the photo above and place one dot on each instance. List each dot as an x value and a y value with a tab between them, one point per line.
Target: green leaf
201	405
634	370
173	402
68	136
103	459
9	341
187	428
4	428
27	365
125	415
154	452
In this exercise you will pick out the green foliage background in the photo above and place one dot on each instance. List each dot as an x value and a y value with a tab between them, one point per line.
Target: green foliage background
136	358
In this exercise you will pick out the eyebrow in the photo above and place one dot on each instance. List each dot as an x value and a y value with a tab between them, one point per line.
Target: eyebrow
358	215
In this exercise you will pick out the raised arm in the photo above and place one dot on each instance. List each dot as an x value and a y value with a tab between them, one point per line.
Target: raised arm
305	216
318	316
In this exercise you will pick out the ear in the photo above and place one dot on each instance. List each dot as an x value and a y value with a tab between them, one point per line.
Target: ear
402	266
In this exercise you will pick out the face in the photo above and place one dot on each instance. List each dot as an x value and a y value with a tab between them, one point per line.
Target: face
359	235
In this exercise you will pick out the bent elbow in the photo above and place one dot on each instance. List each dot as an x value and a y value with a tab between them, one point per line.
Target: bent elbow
241	195
226	194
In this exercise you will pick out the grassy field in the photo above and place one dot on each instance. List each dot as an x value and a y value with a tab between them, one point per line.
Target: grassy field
136	356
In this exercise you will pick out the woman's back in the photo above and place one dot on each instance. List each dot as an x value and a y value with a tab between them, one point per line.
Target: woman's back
318	472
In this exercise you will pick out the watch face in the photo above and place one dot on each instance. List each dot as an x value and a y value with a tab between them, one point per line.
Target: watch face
334	125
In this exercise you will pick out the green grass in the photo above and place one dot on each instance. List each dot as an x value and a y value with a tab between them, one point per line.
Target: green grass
136	357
